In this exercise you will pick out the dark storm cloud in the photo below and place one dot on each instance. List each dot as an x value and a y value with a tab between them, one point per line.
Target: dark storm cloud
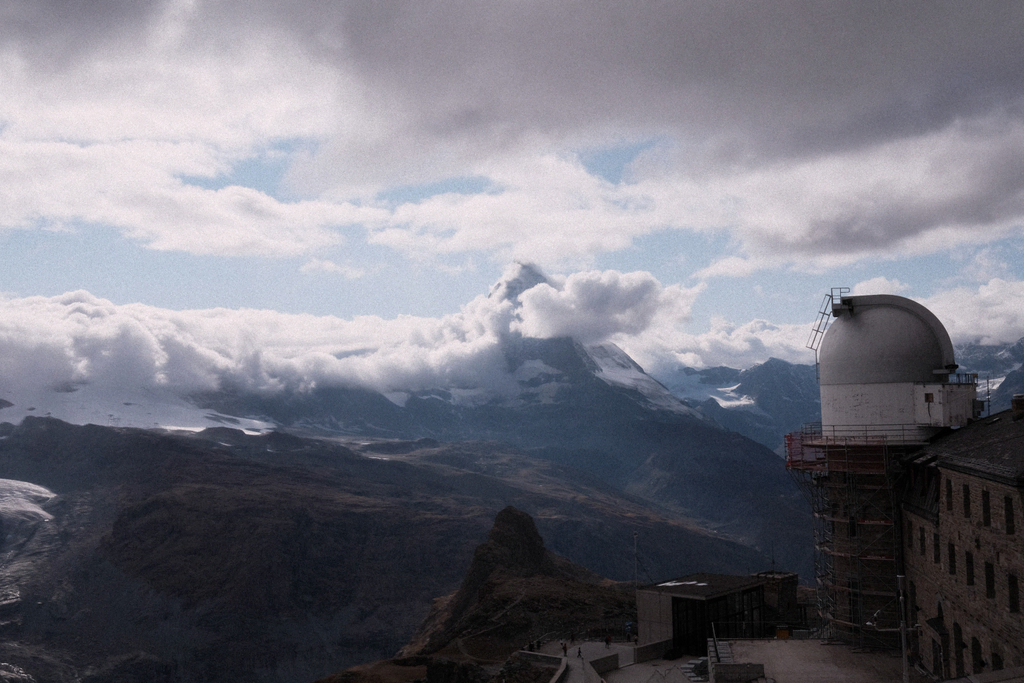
780	75
736	85
751	99
54	31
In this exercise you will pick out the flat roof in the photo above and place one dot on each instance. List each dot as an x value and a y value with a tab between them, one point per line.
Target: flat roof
704	586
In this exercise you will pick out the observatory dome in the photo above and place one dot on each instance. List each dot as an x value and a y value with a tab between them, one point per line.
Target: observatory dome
884	339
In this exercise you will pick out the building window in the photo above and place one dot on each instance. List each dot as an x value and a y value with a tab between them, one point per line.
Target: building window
986	509
990	580
852	523
969	567
997	661
958	649
929	398
952	558
920	539
1011	590
977	663
936	552
949	495
967	500
1008	507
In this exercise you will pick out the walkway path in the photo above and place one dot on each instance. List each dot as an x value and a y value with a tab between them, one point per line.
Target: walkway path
591	650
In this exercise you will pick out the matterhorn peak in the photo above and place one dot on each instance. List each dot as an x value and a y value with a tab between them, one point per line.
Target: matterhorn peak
517	278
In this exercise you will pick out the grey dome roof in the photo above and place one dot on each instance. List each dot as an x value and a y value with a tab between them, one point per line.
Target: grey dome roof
883	339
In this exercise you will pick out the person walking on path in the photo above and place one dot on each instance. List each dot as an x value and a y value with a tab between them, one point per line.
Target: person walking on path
607	641
565	650
579	652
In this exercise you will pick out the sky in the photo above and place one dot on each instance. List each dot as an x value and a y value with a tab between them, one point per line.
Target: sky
287	193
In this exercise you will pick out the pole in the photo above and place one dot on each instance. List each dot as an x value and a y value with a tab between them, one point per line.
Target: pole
901	582
636	571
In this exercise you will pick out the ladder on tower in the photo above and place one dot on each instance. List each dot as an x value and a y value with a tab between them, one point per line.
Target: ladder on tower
821	324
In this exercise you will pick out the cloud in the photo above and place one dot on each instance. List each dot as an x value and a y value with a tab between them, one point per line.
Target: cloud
732	266
986	264
77	339
119	185
544	208
736	345
594	306
769	121
324	266
140	133
990	314
528	67
878	285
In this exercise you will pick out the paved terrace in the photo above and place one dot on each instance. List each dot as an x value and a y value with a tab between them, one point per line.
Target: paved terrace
785	661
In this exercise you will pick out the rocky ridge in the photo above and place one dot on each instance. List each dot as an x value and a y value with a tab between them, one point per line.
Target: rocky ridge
515	592
278	559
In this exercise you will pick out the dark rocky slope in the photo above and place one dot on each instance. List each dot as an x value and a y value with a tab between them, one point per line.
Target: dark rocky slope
223	556
666	454
515	591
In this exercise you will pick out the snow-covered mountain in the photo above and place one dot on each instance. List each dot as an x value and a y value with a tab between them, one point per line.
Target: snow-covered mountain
118	407
617	369
507	368
1000	369
536	380
764	402
586	408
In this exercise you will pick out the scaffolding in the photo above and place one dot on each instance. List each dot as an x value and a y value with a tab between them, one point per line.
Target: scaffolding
850	482
850	472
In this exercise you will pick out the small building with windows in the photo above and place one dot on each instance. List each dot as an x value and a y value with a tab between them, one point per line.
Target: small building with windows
683	613
963	547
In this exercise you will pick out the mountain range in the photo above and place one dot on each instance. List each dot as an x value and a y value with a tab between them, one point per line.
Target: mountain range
303	531
286	554
586	407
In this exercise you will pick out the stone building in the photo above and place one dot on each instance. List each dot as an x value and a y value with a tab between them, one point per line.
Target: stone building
963	547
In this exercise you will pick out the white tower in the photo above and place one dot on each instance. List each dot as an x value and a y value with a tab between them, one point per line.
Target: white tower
888	384
887	371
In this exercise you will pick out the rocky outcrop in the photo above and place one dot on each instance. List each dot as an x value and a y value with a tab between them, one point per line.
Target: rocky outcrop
515	590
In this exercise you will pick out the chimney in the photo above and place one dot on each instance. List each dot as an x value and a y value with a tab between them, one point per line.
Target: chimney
1017	404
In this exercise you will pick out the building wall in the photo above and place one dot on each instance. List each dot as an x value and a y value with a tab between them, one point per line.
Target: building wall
654	616
967	570
780	600
899	409
867	404
940	405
